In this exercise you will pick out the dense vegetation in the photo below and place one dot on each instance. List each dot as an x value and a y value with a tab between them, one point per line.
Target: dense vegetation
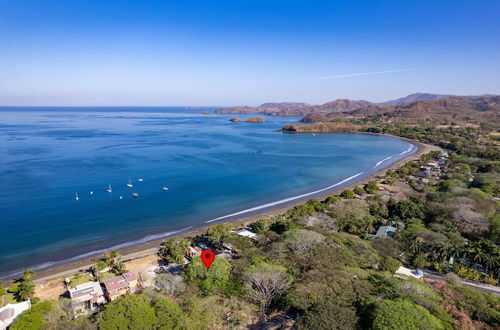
318	267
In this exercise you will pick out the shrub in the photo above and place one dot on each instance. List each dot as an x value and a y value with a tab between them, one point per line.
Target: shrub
371	187
389	264
128	312
359	191
348	194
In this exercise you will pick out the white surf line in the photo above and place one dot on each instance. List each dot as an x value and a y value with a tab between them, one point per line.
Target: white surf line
95	252
407	150
383	160
260	207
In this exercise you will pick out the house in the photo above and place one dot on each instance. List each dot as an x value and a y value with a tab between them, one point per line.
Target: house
404	272
86	298
10	312
386	231
120	285
246	233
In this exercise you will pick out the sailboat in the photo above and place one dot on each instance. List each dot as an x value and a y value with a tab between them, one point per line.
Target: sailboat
76	196
129	184
109	189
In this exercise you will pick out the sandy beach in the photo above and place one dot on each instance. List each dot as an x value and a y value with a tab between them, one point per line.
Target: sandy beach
146	251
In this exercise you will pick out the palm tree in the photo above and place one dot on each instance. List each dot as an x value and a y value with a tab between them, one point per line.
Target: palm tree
26	290
28	274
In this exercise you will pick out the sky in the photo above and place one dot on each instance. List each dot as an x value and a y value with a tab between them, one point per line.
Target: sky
235	52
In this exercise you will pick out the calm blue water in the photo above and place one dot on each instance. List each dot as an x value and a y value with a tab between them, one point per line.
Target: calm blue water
211	166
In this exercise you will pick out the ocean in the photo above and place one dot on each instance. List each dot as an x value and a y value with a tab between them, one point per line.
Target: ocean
215	170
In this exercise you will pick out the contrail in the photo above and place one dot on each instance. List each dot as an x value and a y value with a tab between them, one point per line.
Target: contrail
347	75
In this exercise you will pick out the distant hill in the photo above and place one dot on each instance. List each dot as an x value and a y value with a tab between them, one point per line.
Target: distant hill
299	109
450	110
423	97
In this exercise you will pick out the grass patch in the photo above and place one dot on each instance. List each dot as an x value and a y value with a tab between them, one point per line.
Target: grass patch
79	280
105	276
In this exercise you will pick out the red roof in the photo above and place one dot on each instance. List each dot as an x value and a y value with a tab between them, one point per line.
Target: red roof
119	282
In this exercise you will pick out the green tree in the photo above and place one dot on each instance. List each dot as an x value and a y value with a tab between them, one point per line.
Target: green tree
173	251
403	314
419	260
217	233
168	314
216	277
259	226
129	312
33	319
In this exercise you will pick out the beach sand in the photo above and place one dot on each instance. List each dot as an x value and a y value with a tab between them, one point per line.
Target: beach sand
143	255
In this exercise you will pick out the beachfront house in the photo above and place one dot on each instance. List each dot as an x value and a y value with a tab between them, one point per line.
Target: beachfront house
10	312
86	298
120	285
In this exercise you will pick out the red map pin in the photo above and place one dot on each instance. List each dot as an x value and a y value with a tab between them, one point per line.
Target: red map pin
207	256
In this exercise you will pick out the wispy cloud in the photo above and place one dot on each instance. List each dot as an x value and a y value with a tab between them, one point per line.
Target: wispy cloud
347	75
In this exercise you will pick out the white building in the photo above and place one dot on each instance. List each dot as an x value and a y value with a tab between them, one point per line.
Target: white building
246	233
403	272
10	312
86	298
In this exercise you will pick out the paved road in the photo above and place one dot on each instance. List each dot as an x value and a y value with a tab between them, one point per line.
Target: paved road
491	289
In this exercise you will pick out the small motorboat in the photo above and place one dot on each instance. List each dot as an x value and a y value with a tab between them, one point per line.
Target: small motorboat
76	196
140	180
164	188
121	197
135	194
91	193
129	184
109	189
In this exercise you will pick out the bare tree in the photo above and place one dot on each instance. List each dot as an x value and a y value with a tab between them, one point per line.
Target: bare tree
169	284
265	281
302	241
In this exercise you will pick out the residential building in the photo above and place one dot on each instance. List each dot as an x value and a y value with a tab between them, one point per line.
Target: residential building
120	285
86	298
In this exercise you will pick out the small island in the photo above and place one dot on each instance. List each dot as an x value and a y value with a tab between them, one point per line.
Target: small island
255	120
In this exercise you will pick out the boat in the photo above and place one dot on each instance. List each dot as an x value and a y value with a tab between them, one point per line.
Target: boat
121	197
164	188
129	184
109	189
140	180
76	196
135	194
91	192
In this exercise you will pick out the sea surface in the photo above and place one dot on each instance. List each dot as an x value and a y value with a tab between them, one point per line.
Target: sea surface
215	170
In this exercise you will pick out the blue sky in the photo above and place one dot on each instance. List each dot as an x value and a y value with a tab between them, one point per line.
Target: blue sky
98	52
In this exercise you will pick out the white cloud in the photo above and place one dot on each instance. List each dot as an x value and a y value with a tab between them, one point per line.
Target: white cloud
347	75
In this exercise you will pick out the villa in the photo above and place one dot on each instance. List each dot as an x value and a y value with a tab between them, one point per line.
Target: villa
86	298
120	285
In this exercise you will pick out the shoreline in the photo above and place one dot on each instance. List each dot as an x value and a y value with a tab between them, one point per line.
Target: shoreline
146	249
